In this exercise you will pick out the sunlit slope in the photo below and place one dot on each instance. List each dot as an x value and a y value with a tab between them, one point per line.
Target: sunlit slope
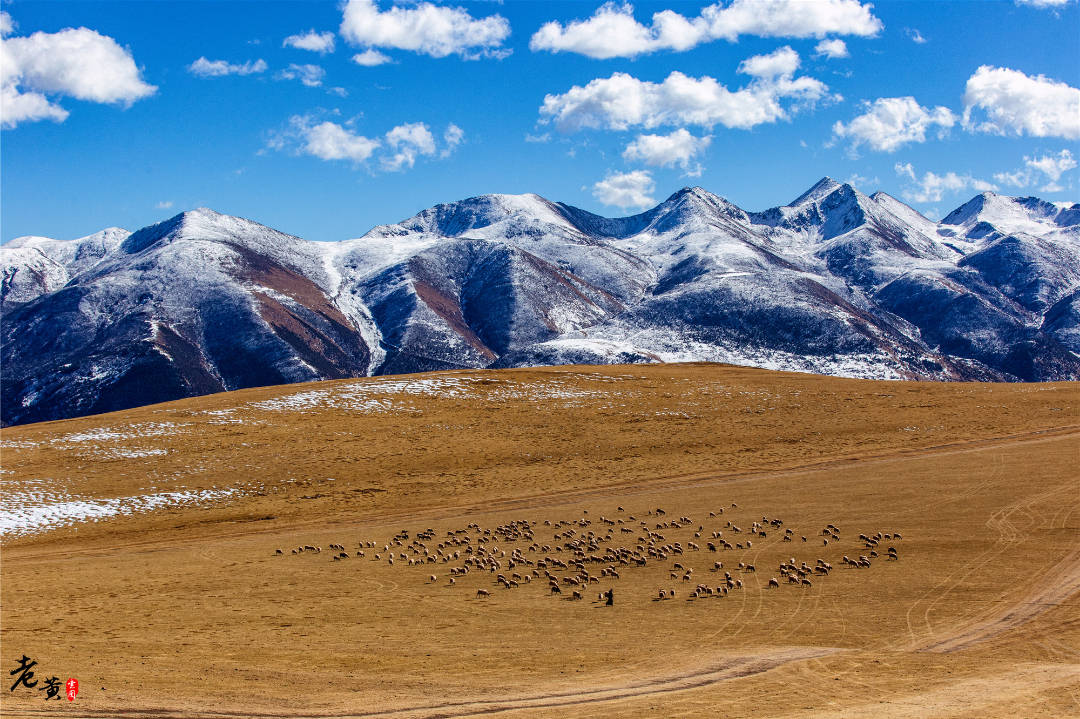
175	602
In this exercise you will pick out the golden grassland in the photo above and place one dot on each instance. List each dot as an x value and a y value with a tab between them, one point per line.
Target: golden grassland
187	611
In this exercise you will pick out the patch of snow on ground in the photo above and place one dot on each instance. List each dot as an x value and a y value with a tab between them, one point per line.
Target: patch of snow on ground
37	509
106	434
374	396
131	453
17	444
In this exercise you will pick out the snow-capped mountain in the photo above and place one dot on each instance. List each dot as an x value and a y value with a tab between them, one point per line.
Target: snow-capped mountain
835	282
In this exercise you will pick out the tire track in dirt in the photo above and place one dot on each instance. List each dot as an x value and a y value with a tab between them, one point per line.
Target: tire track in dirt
1008	534
725	670
1059	584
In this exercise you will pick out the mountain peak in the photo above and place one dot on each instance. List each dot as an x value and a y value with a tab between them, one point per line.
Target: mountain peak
822	188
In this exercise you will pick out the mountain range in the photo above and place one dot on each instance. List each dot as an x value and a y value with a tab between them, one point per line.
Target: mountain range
835	282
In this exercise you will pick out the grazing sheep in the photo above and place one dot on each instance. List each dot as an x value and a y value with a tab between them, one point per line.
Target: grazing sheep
806	582
774	582
576	595
433	578
482	594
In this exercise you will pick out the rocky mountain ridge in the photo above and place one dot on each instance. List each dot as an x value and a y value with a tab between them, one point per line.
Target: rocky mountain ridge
836	282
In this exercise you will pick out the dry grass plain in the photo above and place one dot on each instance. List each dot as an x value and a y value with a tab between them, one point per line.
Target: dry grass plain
186	610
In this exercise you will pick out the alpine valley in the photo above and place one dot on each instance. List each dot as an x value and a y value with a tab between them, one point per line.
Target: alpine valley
836	282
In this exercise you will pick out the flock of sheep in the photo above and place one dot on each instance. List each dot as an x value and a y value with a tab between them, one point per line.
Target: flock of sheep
581	552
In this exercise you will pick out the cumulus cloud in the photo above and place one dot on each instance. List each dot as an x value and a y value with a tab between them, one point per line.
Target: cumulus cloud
781	62
612	31
452	137
622	101
75	62
425	28
219	68
370	58
915	35
325	140
1051	166
626	190
890	122
310	75
1044	3
320	42
7	25
678	148
833	49
932	187
397	149
164	205
407	142
1013	102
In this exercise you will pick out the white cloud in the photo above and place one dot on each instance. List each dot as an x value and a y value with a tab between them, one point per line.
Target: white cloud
164	204
622	101
915	35
408	141
7	25
544	137
791	18
1017	103
1017	178
1052	167
320	42
779	63
833	49
1044	3
932	187
857	180
425	28
339	91
890	122
612	31
452	136
396	150
370	58
219	68
75	62
310	75
625	190
678	148
327	140
17	106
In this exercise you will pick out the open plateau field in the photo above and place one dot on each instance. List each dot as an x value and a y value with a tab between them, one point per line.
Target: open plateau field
140	549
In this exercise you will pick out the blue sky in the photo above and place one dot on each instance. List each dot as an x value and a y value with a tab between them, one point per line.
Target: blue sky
127	113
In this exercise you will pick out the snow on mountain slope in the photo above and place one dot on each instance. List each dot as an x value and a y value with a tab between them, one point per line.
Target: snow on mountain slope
33	266
835	282
990	214
28	273
199	303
